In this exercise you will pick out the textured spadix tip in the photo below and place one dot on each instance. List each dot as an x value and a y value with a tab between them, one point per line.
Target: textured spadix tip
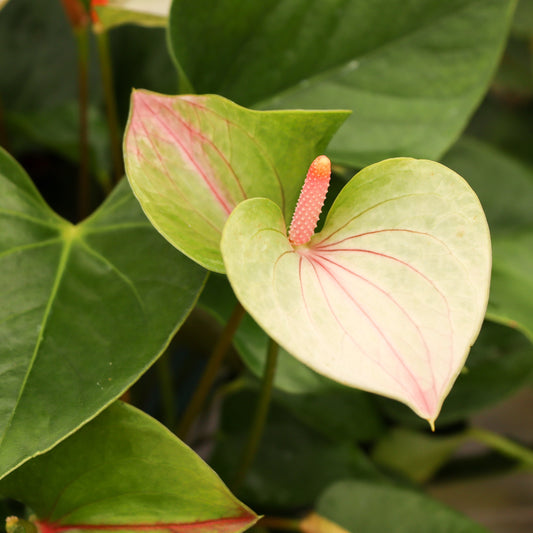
310	202
320	168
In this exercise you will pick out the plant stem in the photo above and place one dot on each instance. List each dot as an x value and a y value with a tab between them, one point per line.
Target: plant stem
84	193
260	416
274	522
110	103
210	372
164	375
503	445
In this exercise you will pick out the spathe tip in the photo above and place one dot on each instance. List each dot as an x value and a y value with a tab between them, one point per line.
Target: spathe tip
431	422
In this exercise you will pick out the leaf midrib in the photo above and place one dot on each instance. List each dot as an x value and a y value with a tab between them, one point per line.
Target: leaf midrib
65	252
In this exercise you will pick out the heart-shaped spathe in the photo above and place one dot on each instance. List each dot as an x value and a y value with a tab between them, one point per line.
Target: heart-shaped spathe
389	296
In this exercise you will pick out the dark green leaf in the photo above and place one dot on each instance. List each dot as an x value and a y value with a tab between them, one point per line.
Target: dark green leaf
57	130
412	72
371	508
85	311
523	19
293	464
505	189
38	60
342	413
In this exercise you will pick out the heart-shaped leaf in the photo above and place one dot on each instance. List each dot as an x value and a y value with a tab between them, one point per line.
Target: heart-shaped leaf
251	342
412	72
125	471
389	296
500	363
191	159
85	310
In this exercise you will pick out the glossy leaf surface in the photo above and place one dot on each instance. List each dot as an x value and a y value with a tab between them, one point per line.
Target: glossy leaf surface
126	471
412	72
372	508
85	310
389	296
191	159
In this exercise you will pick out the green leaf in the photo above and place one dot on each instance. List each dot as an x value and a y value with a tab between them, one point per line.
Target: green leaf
523	20
514	79
282	475
388	297
372	508
411	72
143	12
512	282
85	310
125	469
415	455
58	130
39	63
341	414
191	159
510	218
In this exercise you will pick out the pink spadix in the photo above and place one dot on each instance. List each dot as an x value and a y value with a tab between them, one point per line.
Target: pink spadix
310	202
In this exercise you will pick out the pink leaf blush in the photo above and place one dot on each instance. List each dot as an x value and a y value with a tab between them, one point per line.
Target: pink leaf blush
310	202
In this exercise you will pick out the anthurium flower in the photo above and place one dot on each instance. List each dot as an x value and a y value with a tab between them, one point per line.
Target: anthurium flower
191	159
388	296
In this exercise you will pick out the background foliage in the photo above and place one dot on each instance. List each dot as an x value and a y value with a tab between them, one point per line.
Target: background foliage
89	305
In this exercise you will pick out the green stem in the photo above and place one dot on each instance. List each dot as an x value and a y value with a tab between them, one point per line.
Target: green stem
164	375
110	103
274	522
260	416
84	193
501	444
210	372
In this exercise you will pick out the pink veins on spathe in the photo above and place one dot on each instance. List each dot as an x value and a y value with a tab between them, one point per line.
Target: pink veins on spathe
310	202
